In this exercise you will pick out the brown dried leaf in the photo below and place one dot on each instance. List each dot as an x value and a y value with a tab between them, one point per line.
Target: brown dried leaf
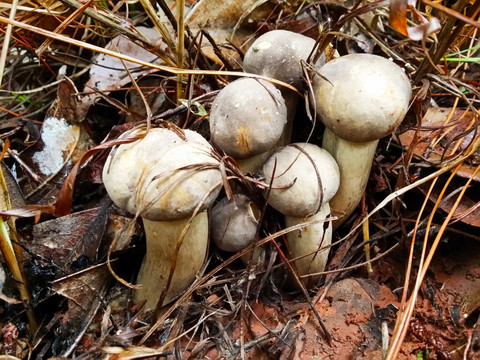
65	239
398	16
223	20
66	105
440	140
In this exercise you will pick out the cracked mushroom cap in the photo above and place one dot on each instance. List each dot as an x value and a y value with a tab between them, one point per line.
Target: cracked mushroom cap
247	118
365	98
162	176
305	178
278	54
234	223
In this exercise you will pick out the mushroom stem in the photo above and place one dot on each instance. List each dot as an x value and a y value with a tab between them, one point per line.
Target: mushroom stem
291	102
355	162
254	163
170	256
305	244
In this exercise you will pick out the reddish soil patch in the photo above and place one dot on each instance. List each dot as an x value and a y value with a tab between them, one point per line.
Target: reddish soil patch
359	313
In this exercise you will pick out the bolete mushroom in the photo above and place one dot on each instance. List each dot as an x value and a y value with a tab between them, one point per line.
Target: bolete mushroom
234	223
305	178
168	179
360	98
247	119
279	54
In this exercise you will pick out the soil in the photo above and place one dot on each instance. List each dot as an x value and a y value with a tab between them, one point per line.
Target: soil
360	314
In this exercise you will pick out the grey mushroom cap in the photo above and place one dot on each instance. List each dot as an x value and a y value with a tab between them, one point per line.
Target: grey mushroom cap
305	178
233	223
162	176
247	118
361	97
278	54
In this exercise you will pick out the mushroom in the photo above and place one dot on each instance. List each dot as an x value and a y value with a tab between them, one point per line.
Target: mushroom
234	223
246	121
168	179
360	98
305	178
279	54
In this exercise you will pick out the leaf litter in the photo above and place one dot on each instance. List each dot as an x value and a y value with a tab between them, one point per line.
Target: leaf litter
78	309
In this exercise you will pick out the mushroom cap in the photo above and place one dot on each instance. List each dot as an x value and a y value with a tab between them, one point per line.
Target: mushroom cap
247	117
233	223
278	54
365	98
306	177
163	177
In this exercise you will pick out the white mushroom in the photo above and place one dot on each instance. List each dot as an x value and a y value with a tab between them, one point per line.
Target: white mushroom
234	223
246	120
165	178
305	177
279	54
360	98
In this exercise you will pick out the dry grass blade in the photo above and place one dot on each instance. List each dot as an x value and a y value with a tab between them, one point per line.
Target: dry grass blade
150	10
6	40
13	253
180	46
168	69
406	313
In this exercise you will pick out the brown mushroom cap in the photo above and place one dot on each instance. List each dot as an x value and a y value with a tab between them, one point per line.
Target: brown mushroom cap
364	96
278	54
247	117
162	176
306	177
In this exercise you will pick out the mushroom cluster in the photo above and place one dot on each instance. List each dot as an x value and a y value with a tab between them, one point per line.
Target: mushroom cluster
172	179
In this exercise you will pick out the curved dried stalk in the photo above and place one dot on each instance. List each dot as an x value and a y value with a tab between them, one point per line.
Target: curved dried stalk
167	69
6	40
13	254
405	314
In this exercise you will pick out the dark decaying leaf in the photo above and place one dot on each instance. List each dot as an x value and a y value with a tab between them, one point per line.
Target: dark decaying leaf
65	239
66	105
85	292
16	197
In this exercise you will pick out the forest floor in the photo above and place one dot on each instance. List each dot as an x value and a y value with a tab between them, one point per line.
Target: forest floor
75	76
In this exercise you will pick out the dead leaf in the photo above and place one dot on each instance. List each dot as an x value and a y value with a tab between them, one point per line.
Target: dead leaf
85	291
468	211
4	297
110	73
443	136
398	15
65	239
66	105
51	157
424	30
225	21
